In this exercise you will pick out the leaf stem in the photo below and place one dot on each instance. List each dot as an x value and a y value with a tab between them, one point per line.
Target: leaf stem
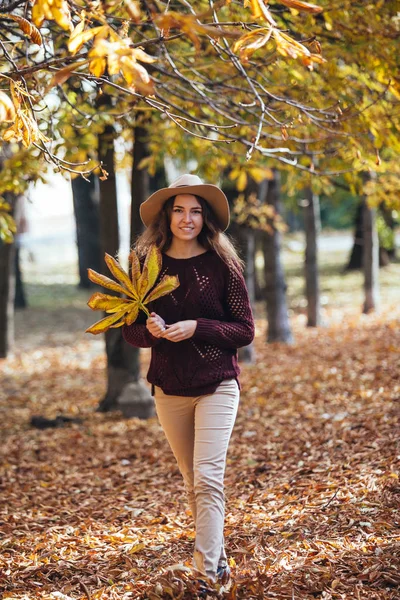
144	309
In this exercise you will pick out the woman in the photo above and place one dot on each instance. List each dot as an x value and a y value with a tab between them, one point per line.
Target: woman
194	334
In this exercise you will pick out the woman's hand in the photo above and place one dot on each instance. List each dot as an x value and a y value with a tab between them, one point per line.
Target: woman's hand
155	324
182	330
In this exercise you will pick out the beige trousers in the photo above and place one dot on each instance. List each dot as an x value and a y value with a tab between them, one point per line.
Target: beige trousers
198	430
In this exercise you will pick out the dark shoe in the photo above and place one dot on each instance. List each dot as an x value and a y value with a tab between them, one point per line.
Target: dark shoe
203	589
224	576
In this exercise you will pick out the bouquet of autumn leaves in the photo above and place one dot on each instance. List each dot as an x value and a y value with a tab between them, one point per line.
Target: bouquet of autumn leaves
137	288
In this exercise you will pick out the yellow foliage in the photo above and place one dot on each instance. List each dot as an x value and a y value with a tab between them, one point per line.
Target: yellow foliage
241	181
7	223
261	173
133	9
138	288
303	6
79	36
24	129
250	42
259	10
52	10
285	44
252	213
119	57
7	108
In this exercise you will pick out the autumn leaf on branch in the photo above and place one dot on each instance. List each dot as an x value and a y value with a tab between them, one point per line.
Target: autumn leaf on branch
302	6
24	129
259	8
285	44
24	126
52	10
138	288
28	28
115	54
7	108
121	58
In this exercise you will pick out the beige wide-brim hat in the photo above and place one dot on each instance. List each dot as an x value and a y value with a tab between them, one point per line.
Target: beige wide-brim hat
187	184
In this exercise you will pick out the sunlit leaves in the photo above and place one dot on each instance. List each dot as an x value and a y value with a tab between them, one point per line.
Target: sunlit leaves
112	53
286	45
52	10
259	7
133	9
80	36
302	6
136	287
240	175
7	223
260	10
107	37
251	212
24	126
7	108
120	57
250	42
197	77
24	129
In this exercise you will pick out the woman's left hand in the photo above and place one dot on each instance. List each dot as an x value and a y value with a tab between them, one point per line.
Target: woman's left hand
182	330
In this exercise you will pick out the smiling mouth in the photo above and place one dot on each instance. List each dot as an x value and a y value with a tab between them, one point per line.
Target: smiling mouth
187	228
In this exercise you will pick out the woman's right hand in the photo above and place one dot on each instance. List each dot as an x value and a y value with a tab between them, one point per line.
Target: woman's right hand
155	324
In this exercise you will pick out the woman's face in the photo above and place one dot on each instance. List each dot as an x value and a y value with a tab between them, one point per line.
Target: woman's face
186	217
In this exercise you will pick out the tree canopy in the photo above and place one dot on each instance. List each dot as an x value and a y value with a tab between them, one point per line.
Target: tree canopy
250	83
195	66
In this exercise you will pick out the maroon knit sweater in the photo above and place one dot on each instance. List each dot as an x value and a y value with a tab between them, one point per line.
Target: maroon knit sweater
216	297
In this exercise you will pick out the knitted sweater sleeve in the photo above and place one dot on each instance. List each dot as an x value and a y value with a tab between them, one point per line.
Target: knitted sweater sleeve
138	335
238	329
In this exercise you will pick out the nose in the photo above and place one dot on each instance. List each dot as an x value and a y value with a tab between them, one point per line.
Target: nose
187	217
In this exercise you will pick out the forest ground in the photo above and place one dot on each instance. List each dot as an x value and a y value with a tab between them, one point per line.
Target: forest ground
97	510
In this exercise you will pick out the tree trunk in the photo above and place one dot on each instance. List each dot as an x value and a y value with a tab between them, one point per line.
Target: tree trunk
122	358
357	252
275	284
370	259
20	218
86	210
20	296
7	292
140	188
312	226
388	254
355	260
244	238
258	275
8	284
136	400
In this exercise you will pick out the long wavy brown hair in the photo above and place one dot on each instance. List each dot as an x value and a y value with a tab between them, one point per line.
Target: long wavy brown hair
211	237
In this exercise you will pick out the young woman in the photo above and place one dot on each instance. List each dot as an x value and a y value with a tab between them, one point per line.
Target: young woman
194	334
